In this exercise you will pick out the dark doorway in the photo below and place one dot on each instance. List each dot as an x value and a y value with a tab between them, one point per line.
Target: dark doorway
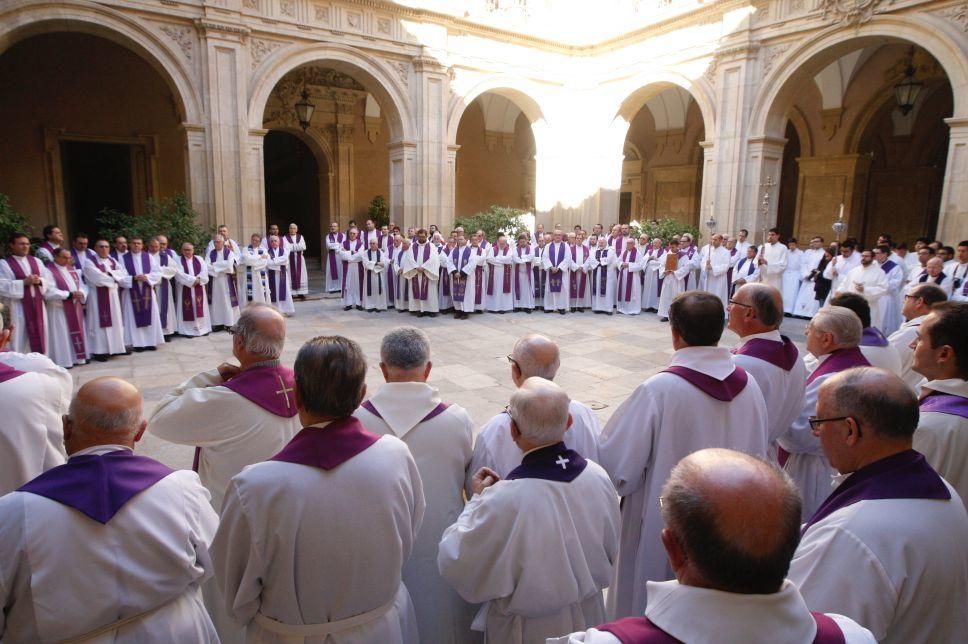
624	207
292	179
786	209
96	176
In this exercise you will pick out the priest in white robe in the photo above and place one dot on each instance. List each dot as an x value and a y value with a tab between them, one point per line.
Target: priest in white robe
439	436
34	395
351	254
773	260
601	276
298	275
479	300
747	269
80	252
280	287
755	314
537	546
65	299
654	428
104	321
110	546
462	263
873	344
222	285
540	275
628	285
312	543
236	249
165	290
673	272
142	319
891	301
401	291
332	263
375	286
791	276
556	262
867	279
500	277
256	261
715	264
833	337
422	270
445	287
654	269
580	295
53	242
917	304
523	275
806	305
533	356
887	546
840	266
194	315
23	280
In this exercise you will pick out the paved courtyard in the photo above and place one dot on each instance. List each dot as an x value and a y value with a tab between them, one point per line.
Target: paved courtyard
603	358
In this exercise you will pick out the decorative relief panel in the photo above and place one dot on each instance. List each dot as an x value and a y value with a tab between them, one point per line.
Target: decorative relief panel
287	8
958	15
321	13
854	12
383	26
354	20
262	48
182	37
773	54
251	4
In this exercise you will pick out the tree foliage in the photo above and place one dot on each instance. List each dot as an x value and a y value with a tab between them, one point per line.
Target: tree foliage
379	211
173	217
494	220
665	229
11	222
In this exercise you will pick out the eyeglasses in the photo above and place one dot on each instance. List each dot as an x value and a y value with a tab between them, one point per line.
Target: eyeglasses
513	361
749	306
815	422
234	330
912	297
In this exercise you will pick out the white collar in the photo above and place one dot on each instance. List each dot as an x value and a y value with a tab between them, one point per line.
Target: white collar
705	616
715	362
768	335
915	321
404	404
97	450
953	386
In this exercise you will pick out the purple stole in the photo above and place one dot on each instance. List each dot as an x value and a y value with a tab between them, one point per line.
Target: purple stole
369	274
556	259
88	255
888	266
600	274
750	270
189	314
166	286
578	285
460	260
905	475
436	411
444	274
50	248
689	252
327	447
73	312
421	284
105	319
33	305
724	390
334	238
366	234
404	282
270	387
506	285
941	403
779	354
872	337
628	256
233	293
391	277
639	630
479	281
8	373
658	272
98	486
934	280
115	256
281	295
295	263
540	275
839	360
550	463
140	291
517	274
618	243
346	264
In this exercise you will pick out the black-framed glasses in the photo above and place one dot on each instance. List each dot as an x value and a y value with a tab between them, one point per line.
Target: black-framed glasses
912	297
815	422
513	361
233	330
749	306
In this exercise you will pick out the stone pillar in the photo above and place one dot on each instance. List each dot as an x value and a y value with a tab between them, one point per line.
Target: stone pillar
757	207
825	183
434	177
345	184
254	206
953	218
403	173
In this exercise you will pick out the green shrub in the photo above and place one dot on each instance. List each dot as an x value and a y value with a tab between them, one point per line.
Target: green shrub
11	222
379	211
665	229
173	217
496	219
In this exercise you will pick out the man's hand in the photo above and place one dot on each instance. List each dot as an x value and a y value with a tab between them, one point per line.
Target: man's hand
141	278
78	295
197	281
228	370
32	280
859	287
554	269
484	478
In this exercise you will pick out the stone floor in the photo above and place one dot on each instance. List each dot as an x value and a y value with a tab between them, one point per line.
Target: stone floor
603	358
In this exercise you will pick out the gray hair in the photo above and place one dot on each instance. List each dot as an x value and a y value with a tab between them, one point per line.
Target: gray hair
841	322
763	302
537	356
405	347
878	399
103	420
540	410
257	341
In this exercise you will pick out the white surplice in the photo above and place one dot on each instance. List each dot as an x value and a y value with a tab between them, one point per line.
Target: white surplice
60	344
302	545
494	448
279	280
65	575
351	254
109	339
500	268
12	294
654	266
375	287
297	261
579	278
628	284
146	336
441	447
891	302
523	279
715	280
782	390
806	305
673	283
557	300
745	271
31	405
647	436
776	262
231	430
870	282
959	282
464	261
538	552
897	566
601	279
791	280
943	438
838	268
185	278
422	273
332	263
901	341
165	291
704	615
256	262
221	272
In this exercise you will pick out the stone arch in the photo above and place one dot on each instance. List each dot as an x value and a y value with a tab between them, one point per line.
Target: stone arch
25	18
320	147
631	94
513	89
377	79
800	124
778	88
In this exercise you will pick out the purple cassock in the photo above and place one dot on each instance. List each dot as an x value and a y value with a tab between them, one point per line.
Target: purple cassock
333	238
839	360
550	463
779	354
724	390
941	403
639	630
327	447
98	485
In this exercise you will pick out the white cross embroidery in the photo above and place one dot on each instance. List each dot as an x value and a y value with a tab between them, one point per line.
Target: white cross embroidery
563	462
284	391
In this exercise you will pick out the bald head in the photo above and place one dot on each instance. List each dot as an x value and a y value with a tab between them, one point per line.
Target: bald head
105	411
539	408
535	356
261	334
758	309
729	543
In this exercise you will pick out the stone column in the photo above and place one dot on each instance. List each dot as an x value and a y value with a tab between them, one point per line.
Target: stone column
953	218
434	176
254	204
345	184
403	188
757	207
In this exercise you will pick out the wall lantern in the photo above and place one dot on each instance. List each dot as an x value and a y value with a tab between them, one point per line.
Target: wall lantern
304	110
907	91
